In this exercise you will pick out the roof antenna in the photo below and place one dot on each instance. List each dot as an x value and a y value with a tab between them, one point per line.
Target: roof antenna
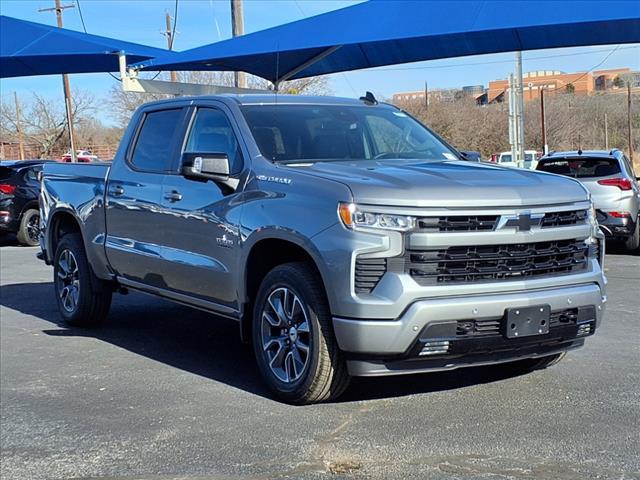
369	99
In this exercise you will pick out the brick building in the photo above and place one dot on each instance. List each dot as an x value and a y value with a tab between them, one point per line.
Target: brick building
582	83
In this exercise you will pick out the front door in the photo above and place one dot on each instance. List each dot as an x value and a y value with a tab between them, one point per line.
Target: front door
200	228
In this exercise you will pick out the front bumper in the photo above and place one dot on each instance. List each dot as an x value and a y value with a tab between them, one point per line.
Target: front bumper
379	347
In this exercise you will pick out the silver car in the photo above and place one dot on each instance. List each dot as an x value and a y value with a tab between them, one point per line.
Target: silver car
614	187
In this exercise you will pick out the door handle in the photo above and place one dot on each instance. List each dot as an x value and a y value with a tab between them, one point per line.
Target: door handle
116	191
173	196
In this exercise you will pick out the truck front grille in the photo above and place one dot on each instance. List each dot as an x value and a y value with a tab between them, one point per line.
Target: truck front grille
489	263
484	223
369	271
562	219
475	223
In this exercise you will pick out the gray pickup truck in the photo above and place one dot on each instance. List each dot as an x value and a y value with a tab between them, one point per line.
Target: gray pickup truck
346	239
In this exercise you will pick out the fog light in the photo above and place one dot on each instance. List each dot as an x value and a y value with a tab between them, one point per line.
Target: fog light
435	348
584	329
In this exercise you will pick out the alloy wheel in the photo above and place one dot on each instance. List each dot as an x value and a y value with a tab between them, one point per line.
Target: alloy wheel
33	228
68	280
285	334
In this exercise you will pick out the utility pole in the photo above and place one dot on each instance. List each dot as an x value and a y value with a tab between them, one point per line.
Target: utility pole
629	122
520	109
606	133
543	121
237	22
513	124
65	81
169	34
19	127
426	97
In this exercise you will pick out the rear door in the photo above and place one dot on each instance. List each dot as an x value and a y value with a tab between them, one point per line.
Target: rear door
201	218
134	192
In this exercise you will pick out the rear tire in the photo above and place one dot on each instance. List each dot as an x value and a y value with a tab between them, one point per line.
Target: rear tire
633	241
294	344
29	229
83	299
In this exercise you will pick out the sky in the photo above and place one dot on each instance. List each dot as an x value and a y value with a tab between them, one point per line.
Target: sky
200	22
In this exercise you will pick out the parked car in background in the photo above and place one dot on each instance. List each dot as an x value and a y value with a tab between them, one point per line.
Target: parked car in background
614	187
19	189
83	156
505	159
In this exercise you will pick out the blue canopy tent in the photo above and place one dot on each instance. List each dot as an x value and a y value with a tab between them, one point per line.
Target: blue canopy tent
28	48
378	33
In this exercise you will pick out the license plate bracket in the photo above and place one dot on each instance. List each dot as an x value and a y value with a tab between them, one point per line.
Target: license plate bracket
527	321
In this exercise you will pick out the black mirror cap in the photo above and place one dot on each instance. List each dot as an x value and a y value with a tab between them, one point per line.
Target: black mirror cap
206	166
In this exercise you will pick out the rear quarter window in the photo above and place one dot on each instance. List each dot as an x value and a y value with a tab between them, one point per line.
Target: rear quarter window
581	167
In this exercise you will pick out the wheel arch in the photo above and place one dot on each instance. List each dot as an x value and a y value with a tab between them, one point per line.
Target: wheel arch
265	252
61	222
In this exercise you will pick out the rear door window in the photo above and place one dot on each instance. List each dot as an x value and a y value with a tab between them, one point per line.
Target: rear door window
155	146
581	167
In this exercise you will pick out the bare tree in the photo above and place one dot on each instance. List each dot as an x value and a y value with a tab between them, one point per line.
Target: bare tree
44	121
572	122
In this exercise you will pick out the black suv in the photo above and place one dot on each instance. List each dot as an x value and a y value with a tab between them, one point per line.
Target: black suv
19	188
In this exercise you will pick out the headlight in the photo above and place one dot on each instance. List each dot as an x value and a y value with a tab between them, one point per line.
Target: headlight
593	220
353	216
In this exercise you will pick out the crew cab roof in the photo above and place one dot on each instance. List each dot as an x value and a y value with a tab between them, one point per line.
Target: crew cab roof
270	99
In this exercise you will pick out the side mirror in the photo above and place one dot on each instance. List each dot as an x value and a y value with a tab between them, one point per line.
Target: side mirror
206	166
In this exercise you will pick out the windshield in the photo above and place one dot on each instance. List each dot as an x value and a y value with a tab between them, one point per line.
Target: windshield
505	158
286	133
580	167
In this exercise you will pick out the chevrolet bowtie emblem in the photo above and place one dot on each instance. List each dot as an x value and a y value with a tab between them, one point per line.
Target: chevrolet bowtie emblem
522	222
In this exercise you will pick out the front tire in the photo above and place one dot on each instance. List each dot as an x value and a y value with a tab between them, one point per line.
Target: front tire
29	229
83	299
294	344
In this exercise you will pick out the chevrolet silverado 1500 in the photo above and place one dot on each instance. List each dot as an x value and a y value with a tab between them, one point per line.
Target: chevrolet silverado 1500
345	238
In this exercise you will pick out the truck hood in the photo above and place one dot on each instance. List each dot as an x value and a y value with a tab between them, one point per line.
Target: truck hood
446	183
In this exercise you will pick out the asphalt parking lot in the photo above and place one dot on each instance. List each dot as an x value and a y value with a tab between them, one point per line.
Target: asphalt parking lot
164	392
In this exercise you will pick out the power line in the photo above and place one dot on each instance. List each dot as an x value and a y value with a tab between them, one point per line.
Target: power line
84	27
470	64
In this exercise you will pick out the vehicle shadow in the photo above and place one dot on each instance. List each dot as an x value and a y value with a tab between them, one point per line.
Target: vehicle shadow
209	346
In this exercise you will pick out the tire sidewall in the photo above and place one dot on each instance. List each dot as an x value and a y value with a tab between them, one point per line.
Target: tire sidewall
633	242
23	234
277	278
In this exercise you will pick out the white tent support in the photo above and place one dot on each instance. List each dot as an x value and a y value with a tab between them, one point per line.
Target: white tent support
308	63
131	83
